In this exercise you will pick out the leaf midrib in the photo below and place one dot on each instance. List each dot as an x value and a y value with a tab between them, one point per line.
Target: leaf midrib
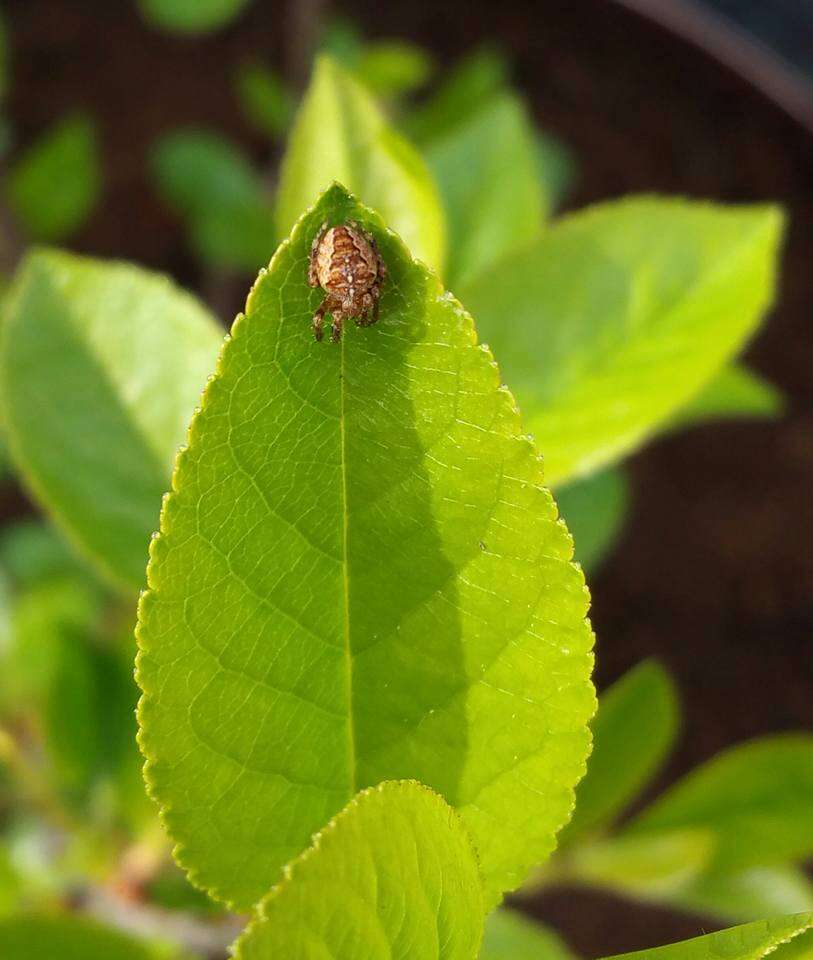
348	652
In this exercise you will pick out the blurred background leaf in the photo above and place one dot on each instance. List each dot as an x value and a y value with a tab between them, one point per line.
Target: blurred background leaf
53	187
214	187
191	16
595	509
511	936
266	100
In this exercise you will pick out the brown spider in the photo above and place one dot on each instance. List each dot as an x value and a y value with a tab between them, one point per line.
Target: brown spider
346	264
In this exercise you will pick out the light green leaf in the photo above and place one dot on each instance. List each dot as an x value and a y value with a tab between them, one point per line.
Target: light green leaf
359	577
510	936
752	941
633	732
392	68
340	134
557	169
267	102
392	877
190	16
735	392
101	366
751	894
29	936
54	186
464	92
757	798
485	167
618	315
213	186
650	867
595	509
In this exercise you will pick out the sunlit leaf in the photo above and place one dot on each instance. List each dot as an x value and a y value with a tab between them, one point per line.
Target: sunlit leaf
781	937
618	315
393	877
324	611
341	135
101	366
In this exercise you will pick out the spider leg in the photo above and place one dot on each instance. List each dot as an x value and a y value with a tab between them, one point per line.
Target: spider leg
318	320
313	280
369	313
336	327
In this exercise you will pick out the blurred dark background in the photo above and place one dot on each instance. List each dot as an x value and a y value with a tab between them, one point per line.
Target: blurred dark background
714	574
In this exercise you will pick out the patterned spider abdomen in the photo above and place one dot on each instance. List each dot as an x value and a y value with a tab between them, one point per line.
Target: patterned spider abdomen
346	264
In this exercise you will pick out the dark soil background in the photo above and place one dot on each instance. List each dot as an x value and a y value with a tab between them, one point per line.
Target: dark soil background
714	575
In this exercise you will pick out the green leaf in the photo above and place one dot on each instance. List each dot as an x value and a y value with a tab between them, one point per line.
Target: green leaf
340	134
464	92
54	186
485	167
595	509
633	732
190	16
392	68
557	169
617	316
30	936
392	877
323	612
101	366
735	392
213	186
752	941
650	867
267	102
32	552
510	936
757	798
749	895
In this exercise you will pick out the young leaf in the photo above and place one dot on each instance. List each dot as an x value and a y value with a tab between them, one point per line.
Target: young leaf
30	936
633	732
510	936
752	941
267	101
595	510
359	577
190	16
486	170
392	877
340	134
210	183
101	365
735	392
55	184
557	169
618	315
757	798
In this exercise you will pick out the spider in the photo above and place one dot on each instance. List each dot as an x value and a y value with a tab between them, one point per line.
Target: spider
346	264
